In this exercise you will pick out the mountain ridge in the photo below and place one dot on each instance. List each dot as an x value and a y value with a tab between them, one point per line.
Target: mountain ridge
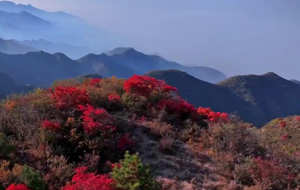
71	51
11	47
143	63
276	96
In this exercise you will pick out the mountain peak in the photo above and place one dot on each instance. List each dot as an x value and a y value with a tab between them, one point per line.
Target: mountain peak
122	50
168	72
7	3
270	74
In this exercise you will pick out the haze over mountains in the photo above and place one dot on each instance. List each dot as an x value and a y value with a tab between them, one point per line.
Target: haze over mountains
74	52
25	22
11	47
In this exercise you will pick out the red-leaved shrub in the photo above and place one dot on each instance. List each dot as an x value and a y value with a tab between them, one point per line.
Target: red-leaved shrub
89	181
213	116
270	174
53	126
17	187
179	107
114	98
125	142
282	124
69	97
144	86
95	82
95	119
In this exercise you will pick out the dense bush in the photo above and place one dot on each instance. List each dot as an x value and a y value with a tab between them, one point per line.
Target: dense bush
89	181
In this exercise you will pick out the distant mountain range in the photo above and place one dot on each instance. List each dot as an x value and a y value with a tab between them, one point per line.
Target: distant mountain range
255	98
12	47
59	16
128	61
26	46
38	68
71	51
25	22
41	68
16	25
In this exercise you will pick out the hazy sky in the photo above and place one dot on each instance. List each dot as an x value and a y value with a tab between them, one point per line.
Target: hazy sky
234	36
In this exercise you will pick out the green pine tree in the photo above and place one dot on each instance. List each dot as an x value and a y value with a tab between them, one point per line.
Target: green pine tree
131	174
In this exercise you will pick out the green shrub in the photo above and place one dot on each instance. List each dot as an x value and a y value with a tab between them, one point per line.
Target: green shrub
5	146
32	179
131	174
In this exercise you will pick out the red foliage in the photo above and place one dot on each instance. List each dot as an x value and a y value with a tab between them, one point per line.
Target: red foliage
285	137
125	141
297	118
95	119
269	170
282	124
95	82
213	116
144	86
89	181
53	126
69	97
114	98
179	107
17	187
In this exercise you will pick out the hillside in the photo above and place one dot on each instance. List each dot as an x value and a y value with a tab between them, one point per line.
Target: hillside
133	134
142	63
204	94
8	86
11	47
283	134
274	95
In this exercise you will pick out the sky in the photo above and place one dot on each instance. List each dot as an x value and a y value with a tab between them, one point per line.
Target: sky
234	36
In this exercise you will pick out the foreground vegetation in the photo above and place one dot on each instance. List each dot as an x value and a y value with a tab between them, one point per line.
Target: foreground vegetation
135	134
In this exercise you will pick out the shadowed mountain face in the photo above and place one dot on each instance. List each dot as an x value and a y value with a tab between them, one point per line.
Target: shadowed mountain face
274	95
105	66
11	47
295	81
8	86
39	68
142	63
